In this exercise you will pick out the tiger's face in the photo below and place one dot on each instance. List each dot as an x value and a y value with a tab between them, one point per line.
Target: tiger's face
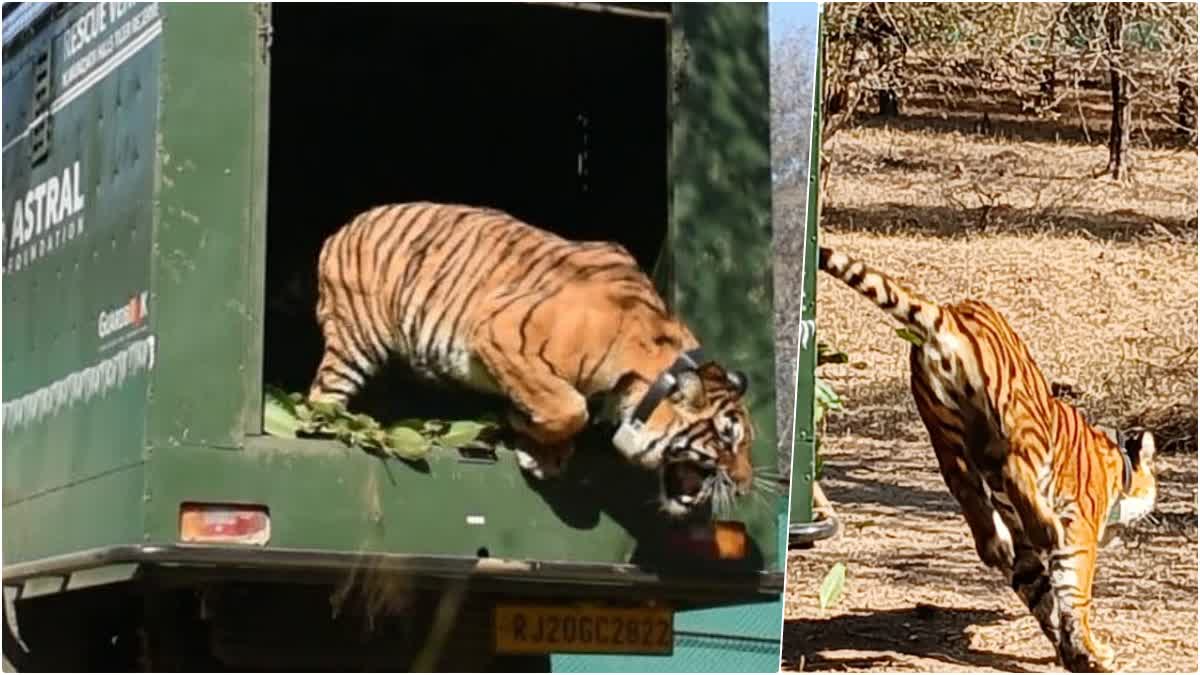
702	448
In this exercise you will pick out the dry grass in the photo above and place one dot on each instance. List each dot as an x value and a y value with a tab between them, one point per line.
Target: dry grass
959	184
1099	278
1116	321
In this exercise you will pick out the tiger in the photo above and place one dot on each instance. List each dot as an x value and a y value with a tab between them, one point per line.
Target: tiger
473	297
1038	485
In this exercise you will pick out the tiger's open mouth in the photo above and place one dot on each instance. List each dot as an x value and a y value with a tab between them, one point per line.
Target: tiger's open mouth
685	486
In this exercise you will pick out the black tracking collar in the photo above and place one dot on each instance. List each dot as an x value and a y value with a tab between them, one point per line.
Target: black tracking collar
1126	464
665	382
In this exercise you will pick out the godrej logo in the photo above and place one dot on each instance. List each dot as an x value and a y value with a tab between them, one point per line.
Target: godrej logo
132	313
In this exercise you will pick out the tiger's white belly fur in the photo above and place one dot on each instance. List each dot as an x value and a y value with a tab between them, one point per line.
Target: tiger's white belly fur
455	363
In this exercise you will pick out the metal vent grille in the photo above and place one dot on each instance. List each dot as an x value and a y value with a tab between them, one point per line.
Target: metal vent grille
39	131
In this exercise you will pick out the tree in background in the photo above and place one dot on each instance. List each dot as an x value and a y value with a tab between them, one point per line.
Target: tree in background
1147	53
792	71
1047	54
1116	19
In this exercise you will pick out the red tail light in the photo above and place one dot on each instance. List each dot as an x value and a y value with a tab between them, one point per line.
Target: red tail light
225	524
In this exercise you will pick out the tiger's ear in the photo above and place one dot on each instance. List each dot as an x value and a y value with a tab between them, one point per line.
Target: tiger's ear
739	382
1139	447
689	389
1147	449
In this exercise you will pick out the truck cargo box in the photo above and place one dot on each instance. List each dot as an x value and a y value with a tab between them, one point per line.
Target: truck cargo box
170	172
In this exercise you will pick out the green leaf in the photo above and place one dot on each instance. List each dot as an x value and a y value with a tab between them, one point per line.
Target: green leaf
825	396
303	413
831	586
278	419
824	400
909	336
407	443
461	433
414	423
326	408
361	422
275	396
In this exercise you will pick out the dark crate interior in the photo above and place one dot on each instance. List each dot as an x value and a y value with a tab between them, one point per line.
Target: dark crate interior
556	115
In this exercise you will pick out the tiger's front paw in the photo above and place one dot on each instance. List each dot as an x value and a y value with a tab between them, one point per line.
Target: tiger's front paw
1092	657
1104	659
1085	663
543	463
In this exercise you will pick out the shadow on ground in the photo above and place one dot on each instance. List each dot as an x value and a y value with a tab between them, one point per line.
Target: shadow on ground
1007	122
945	221
869	641
859	483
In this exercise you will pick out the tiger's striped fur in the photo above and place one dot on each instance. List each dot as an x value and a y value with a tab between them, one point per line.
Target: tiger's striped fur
474	297
1035	481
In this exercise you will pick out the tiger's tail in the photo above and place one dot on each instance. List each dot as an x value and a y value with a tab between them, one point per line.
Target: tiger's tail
917	313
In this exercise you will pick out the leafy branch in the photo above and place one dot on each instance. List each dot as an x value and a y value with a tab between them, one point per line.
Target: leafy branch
290	415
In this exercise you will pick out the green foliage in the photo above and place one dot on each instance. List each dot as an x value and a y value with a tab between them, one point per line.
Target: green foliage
832	585
910	337
825	399
290	415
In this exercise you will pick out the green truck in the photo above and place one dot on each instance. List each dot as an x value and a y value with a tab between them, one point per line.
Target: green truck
169	172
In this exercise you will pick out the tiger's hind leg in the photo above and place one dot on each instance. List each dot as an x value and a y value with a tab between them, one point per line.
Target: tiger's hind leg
1028	457
345	366
993	541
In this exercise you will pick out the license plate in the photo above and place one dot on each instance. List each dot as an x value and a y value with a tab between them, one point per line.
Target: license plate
544	629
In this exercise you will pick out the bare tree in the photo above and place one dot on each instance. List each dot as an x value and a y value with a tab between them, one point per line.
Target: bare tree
1044	53
1145	51
885	48
1119	151
792	71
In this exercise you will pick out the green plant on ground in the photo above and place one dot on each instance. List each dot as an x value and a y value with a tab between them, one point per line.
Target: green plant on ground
832	585
825	399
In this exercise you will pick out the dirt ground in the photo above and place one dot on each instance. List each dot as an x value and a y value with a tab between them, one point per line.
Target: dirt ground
1100	280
